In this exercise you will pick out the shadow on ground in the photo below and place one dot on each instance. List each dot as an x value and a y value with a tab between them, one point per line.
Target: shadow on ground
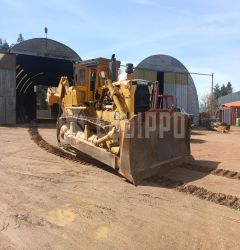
193	140
170	178
196	133
38	123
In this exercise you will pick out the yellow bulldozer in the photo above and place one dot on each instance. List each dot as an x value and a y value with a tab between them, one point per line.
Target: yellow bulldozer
122	124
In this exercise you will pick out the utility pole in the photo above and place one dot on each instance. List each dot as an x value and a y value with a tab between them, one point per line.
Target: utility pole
212	97
212	83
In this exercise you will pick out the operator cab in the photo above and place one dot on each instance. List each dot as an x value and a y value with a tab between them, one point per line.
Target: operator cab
90	76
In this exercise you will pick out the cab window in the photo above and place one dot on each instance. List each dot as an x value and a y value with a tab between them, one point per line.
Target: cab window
82	77
92	80
101	78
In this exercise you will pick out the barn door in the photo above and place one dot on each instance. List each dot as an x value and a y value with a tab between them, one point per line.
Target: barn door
7	88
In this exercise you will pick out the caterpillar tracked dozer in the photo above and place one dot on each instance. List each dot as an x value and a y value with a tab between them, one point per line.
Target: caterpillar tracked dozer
122	124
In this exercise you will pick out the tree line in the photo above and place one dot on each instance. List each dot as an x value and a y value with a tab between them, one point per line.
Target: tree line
209	102
5	46
223	90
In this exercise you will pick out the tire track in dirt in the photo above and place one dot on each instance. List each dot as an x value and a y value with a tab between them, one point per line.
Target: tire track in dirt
219	172
230	201
83	159
17	220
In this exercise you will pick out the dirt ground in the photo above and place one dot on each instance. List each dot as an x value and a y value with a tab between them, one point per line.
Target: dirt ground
47	202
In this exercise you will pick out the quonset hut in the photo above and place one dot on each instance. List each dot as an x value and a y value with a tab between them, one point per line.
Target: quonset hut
174	79
25	73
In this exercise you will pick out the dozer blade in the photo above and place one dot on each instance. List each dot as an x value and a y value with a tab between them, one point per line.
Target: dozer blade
153	143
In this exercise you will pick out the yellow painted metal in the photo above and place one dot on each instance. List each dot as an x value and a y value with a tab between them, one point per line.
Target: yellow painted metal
115	94
134	157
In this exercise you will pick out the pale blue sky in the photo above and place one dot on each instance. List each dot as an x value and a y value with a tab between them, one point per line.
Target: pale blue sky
204	35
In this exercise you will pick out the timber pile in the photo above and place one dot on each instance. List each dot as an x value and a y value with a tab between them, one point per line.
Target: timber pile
221	127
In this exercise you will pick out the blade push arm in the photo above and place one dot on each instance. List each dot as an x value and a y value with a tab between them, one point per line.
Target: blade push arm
58	95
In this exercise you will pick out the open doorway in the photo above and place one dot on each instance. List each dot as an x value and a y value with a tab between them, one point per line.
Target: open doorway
33	76
43	111
160	79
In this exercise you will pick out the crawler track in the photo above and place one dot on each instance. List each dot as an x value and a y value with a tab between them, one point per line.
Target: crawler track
83	159
219	172
202	193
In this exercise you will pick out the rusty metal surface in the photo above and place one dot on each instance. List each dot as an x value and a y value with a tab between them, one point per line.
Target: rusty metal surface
93	151
145	157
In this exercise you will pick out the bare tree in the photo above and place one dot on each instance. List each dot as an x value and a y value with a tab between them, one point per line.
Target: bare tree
208	104
205	102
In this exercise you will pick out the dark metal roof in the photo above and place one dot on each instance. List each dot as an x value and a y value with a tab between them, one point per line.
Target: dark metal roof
163	63
229	98
96	61
45	47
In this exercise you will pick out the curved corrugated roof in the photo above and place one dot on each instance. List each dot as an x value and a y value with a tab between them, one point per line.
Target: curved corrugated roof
162	63
229	98
45	47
